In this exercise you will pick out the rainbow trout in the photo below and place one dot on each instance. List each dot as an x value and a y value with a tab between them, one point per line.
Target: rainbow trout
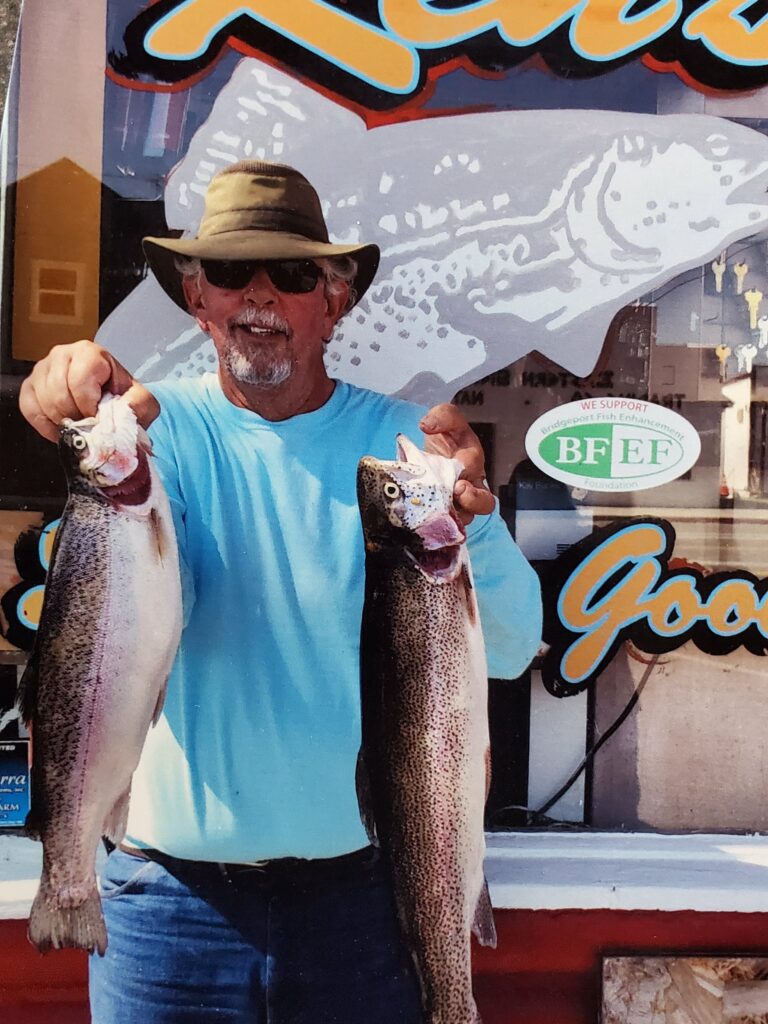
421	776
109	629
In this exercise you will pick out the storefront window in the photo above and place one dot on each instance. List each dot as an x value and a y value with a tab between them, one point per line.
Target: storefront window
547	239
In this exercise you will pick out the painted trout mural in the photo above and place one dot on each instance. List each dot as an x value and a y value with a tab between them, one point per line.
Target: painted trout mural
501	232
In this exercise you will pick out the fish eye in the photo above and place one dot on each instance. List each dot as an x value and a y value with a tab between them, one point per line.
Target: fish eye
79	443
391	490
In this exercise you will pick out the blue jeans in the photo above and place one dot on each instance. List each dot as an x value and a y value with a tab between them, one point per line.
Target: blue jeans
188	945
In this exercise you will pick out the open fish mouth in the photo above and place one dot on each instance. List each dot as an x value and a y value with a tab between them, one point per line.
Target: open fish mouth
135	489
438	556
439	565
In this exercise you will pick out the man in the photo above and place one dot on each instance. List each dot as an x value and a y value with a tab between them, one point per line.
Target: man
246	889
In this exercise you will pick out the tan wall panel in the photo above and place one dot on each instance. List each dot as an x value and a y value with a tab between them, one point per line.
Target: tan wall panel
61	59
694	752
56	259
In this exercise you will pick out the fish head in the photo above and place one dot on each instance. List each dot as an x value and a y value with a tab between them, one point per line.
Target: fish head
407	510
108	453
658	199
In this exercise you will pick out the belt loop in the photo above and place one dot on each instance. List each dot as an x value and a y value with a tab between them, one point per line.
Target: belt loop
224	872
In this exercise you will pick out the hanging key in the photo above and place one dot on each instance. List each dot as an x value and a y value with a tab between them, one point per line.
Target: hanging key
753	298
718	268
722	352
740	272
745	355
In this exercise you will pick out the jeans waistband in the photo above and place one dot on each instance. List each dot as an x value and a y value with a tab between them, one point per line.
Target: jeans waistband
287	869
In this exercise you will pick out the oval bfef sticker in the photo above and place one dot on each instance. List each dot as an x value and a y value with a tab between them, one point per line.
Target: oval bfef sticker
613	444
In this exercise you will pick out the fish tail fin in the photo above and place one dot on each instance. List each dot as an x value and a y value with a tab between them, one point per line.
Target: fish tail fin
483	925
116	821
52	926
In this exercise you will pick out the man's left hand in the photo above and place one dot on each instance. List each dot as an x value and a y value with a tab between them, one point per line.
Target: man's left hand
449	434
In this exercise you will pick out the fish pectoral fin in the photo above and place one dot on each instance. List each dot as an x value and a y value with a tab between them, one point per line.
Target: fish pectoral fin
34	822
364	798
117	819
483	926
160	702
158	530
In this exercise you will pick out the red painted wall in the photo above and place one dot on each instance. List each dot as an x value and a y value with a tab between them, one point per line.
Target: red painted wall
546	969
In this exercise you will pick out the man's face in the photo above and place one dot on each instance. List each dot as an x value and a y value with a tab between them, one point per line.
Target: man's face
265	336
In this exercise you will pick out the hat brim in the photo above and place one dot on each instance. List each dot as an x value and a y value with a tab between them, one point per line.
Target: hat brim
161	254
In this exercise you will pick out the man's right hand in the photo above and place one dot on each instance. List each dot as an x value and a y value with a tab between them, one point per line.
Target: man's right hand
70	381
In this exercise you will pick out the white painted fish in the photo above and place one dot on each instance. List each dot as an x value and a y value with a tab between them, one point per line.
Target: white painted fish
502	232
109	630
422	767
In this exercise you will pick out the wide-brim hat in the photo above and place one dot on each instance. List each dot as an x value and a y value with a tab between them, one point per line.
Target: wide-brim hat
257	211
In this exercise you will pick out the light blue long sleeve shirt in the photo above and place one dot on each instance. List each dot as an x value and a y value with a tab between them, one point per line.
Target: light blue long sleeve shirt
254	754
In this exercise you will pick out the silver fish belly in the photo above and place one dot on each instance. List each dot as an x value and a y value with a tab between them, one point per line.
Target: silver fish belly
108	635
422	766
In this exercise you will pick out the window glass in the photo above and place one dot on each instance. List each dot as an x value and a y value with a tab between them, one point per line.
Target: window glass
570	220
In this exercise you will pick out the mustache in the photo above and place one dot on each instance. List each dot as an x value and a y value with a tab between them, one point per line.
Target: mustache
266	319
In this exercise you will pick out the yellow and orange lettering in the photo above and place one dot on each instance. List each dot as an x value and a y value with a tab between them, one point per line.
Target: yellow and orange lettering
722	31
603	620
674	607
365	50
602	31
732	608
30	606
584	656
519	23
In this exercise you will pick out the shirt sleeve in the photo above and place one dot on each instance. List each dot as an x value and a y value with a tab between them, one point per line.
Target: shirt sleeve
508	595
167	467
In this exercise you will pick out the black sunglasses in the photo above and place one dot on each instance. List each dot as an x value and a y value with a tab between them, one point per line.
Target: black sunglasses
296	277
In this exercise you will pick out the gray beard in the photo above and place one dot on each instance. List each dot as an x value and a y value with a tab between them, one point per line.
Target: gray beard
240	367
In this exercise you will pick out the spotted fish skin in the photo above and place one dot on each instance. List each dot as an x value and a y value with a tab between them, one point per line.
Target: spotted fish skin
108	634
422	765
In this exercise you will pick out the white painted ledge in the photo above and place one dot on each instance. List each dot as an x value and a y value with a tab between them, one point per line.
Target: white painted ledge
20	862
553	871
628	871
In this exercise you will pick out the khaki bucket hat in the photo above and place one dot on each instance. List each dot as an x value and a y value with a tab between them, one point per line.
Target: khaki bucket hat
257	211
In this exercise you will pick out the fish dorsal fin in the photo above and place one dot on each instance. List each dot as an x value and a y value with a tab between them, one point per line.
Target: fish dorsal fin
483	925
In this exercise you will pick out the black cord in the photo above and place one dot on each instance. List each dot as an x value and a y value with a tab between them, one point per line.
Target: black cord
540	815
603	739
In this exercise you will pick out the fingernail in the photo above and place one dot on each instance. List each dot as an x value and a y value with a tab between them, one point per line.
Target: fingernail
428	423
